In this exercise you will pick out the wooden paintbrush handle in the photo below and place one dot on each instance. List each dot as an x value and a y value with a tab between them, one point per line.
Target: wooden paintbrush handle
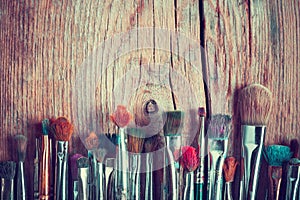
45	166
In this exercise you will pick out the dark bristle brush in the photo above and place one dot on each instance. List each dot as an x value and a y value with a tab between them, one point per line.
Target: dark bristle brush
21	141
7	174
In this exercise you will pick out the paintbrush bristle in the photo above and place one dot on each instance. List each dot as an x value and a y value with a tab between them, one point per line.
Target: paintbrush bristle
174	122
83	162
278	154
61	128
136	140
255	102
21	141
45	126
92	141
229	168
153	143
100	154
73	166
201	112
189	159
121	117
219	126
7	170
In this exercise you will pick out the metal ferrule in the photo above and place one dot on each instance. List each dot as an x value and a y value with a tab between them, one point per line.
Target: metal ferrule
109	169
135	164
201	142
228	192
101	182
149	177
293	183
21	193
61	181
173	143
83	189
188	193
218	151
252	146
75	190
93	175
121	182
36	171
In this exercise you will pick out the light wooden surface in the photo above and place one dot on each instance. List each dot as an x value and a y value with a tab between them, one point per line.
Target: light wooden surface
43	46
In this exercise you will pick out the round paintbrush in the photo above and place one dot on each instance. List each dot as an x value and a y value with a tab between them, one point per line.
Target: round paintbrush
255	102
121	118
62	130
7	174
189	162
21	141
229	168
92	144
276	155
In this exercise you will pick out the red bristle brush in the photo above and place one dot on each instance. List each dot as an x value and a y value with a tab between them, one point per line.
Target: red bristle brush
229	169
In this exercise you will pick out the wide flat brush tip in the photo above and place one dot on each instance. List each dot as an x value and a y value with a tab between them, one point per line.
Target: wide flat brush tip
61	128
73	166
21	141
255	102
83	162
219	126
201	112
174	122
7	169
278	154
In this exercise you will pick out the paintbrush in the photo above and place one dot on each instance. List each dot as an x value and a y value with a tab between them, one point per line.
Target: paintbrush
276	155
189	161
218	132
121	118
255	102
229	168
44	162
92	143
172	133
101	177
21	141
36	170
74	173
110	173
135	147
294	145
83	165
293	180
62	130
7	174
200	175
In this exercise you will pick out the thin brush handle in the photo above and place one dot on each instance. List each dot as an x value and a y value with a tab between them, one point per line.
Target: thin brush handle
135	177
92	175
188	193
228	192
7	189
101	182
36	170
21	191
214	174
2	188
83	190
173	175
45	166
75	190
149	178
61	186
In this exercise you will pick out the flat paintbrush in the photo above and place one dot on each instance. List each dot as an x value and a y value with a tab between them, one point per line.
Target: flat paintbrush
7	174
255	102
21	141
172	133
62	130
44	162
83	165
218	132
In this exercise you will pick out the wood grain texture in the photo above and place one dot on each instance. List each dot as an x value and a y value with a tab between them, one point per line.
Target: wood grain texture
43	46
